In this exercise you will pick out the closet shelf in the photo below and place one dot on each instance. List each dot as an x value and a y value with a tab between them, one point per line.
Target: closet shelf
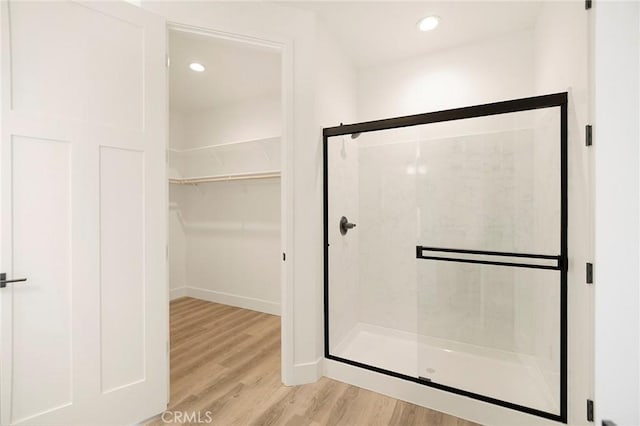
269	174
228	145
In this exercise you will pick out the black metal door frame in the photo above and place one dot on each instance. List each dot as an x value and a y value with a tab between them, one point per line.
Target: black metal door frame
511	106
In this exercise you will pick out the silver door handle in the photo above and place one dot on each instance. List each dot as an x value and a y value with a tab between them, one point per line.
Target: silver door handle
4	281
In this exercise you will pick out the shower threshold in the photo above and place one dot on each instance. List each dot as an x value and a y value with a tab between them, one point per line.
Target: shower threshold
508	376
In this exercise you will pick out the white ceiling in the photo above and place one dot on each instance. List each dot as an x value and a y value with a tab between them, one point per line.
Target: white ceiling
234	72
370	33
375	32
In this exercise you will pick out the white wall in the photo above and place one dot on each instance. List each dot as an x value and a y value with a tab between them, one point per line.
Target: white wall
176	141
486	71
177	236
229	123
232	234
224	243
336	81
616	140
177	245
177	130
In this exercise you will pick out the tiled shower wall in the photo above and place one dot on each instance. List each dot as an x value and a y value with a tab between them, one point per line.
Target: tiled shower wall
344	253
493	190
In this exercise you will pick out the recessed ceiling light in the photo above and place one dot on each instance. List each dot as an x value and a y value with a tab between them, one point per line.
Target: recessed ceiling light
429	23
196	67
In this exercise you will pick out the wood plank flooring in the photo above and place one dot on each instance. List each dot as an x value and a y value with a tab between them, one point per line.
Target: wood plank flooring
225	364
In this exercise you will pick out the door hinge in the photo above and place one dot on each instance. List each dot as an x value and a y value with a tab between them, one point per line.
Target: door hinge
168	61
284	256
588	135
589	410
589	273
588	4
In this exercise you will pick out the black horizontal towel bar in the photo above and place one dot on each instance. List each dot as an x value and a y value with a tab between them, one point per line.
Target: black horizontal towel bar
557	267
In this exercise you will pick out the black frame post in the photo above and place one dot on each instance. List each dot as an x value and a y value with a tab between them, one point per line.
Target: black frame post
564	251
325	195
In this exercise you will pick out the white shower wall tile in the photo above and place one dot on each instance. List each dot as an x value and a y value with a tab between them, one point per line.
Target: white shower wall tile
471	191
543	325
388	221
477	192
344	302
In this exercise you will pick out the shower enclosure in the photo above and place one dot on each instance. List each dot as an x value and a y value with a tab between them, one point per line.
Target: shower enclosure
445	238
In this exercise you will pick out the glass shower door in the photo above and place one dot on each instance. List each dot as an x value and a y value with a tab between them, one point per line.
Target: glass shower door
489	257
445	251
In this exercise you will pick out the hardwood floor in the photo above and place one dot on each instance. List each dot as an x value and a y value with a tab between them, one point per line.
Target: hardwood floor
225	367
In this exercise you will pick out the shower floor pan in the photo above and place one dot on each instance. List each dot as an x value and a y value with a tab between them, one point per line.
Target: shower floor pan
507	376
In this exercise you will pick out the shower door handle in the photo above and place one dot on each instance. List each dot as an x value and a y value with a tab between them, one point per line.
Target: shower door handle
345	225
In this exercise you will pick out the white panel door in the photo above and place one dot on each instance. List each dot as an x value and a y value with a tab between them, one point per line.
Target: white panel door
83	216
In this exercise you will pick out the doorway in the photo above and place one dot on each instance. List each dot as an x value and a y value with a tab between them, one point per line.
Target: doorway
225	197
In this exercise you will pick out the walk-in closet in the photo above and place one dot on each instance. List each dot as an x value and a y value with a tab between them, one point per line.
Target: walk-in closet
224	210
224	171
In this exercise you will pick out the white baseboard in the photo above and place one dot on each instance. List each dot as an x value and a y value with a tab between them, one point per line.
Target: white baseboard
177	293
308	372
259	305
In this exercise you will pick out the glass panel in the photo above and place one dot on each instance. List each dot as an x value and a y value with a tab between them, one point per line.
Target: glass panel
494	189
491	330
497	189
372	285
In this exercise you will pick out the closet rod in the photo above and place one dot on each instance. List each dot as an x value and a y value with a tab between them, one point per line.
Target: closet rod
224	178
